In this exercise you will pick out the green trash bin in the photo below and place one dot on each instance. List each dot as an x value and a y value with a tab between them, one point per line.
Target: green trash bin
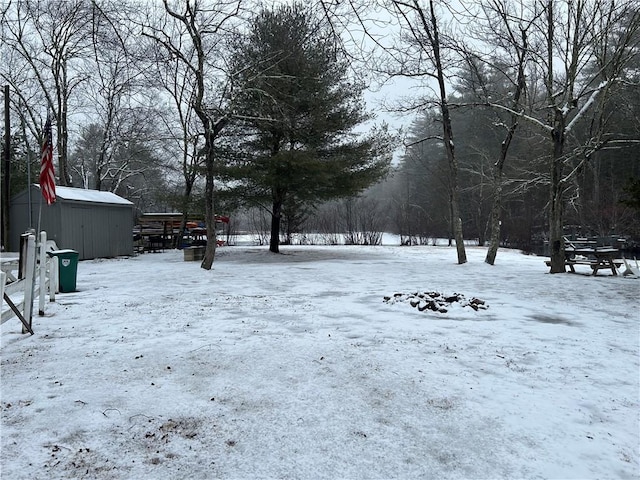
67	269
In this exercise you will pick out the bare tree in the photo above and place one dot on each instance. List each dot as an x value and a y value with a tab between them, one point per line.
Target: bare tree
180	122
113	164
112	84
194	33
571	36
50	38
505	27
419	51
579	51
422	29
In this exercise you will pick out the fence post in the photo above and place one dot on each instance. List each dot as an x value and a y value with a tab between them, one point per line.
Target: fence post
42	287
23	255
29	280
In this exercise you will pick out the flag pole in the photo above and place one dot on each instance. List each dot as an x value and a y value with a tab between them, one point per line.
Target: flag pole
40	181
47	175
39	211
40	202
28	179
29	161
6	181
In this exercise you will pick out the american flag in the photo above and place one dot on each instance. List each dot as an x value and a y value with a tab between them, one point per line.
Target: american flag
47	176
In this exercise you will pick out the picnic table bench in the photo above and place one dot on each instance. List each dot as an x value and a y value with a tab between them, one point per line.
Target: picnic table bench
587	252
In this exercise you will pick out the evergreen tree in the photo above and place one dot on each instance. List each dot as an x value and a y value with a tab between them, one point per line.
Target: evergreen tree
300	108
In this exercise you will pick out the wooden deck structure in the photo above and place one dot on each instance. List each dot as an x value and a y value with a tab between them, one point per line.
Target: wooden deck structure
158	231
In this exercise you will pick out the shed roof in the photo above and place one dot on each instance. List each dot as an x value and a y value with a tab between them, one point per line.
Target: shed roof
84	195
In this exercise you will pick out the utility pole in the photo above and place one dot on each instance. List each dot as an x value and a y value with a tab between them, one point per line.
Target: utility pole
6	186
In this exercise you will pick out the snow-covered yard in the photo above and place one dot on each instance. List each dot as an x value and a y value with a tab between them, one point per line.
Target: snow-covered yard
294	366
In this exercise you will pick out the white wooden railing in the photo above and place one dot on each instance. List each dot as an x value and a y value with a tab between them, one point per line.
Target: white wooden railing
39	278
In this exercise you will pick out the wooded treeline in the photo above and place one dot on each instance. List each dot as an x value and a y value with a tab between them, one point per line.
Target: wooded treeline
548	103
525	115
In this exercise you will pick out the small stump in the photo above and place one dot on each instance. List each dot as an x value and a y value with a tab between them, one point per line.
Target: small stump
192	254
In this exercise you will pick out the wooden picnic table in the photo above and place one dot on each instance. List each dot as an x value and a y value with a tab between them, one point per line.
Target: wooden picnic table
597	258
585	251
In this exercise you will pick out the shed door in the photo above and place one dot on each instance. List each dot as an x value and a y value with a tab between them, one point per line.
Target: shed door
83	228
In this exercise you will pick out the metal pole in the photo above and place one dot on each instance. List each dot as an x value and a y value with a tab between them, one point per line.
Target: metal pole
40	202
24	135
7	170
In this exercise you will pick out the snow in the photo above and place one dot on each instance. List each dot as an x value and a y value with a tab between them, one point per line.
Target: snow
586	106
84	195
294	366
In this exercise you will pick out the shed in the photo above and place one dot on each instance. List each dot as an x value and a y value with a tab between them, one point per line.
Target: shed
96	224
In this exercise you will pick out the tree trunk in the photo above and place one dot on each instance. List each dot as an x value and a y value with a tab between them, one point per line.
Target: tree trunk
451	222
210	213
186	200
496	209
456	221
462	254
556	242
212	129
521	85
63	173
556	202
210	222
63	134
447	135
276	217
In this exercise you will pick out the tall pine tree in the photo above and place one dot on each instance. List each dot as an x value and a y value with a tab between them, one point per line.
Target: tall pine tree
300	108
